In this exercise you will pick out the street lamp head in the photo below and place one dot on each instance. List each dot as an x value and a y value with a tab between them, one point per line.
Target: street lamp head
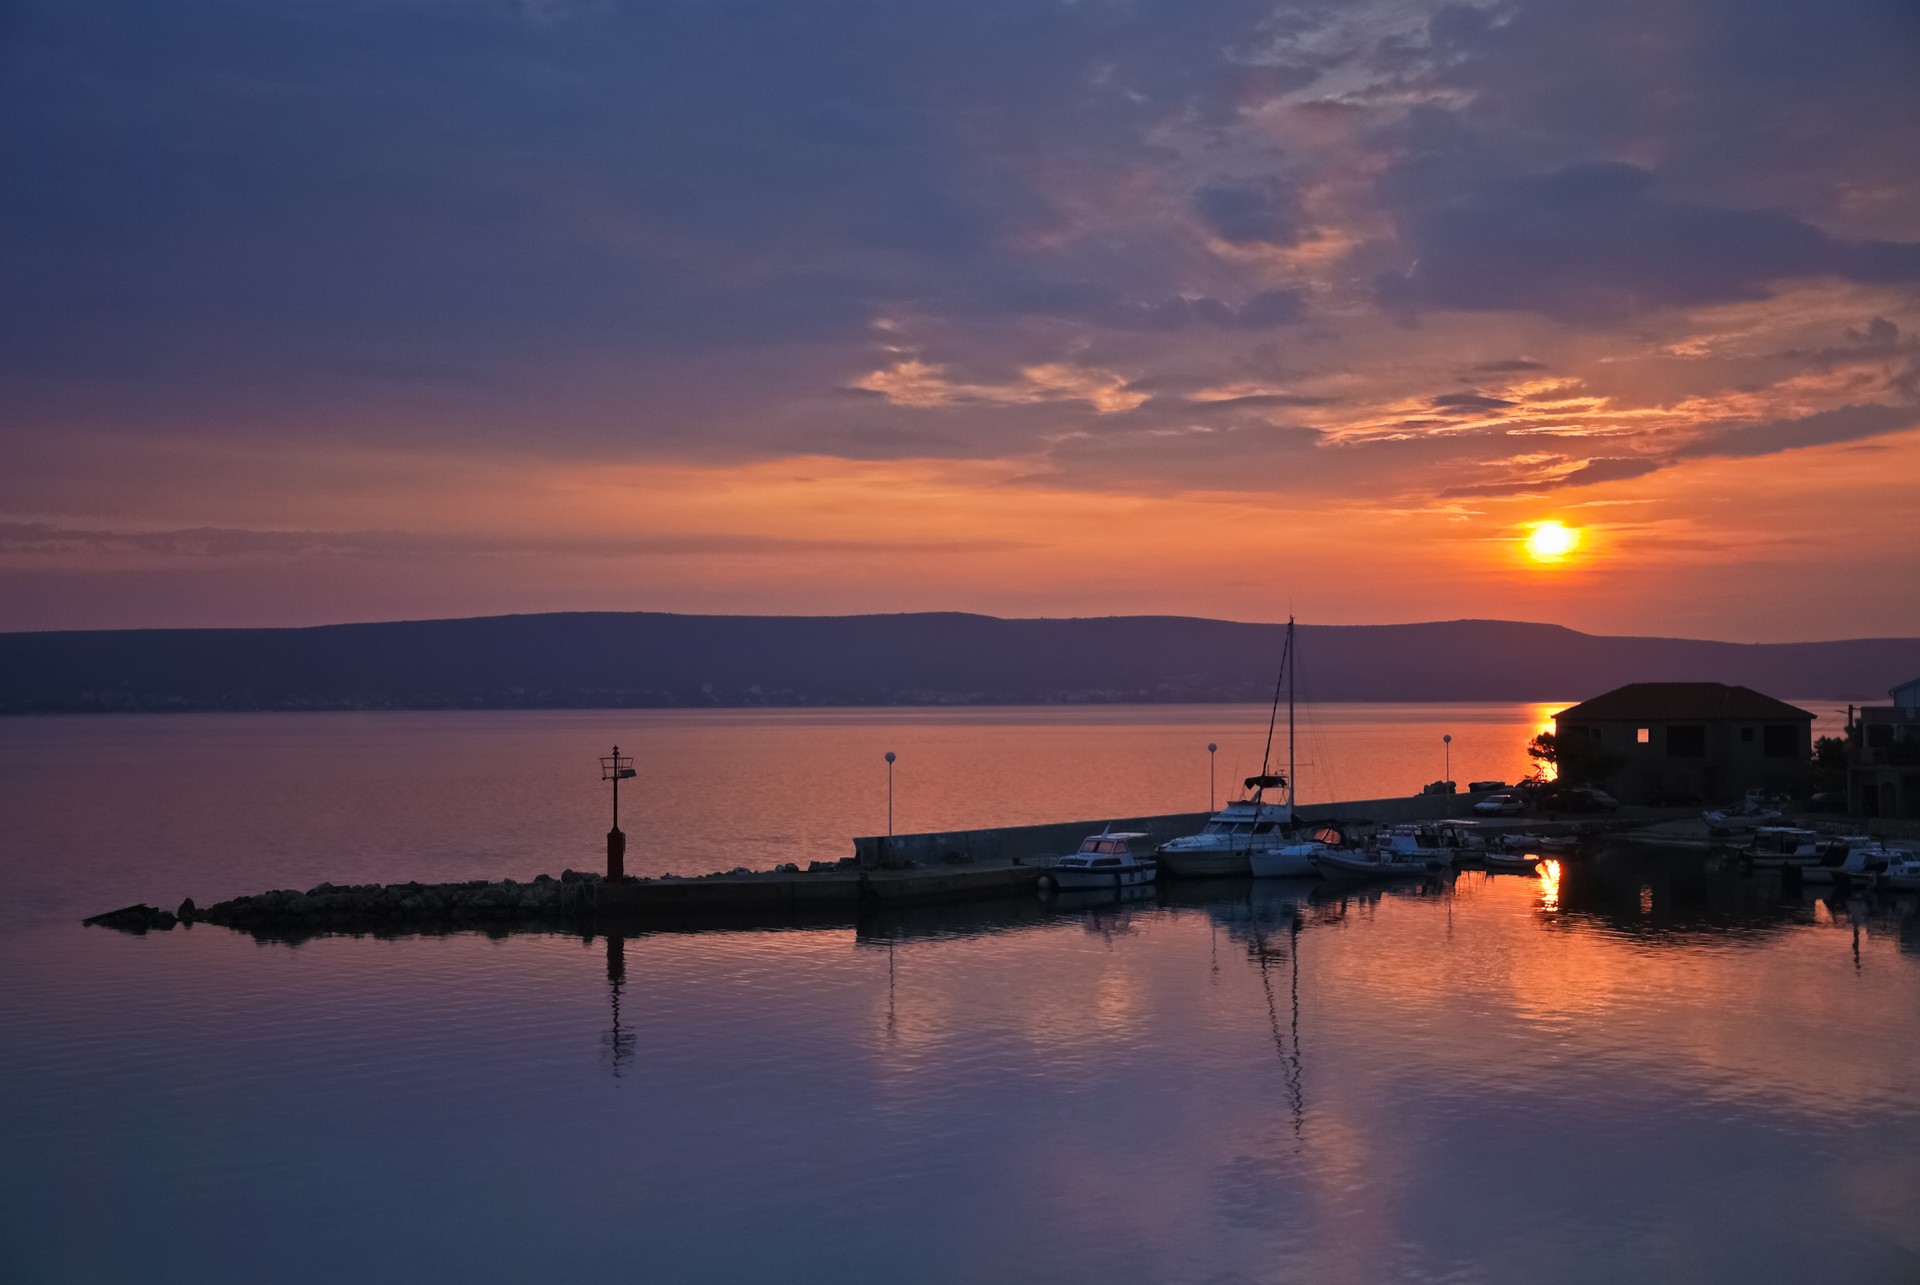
889	756
1448	738
1211	747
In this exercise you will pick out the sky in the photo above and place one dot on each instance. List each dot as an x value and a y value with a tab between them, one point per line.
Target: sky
328	310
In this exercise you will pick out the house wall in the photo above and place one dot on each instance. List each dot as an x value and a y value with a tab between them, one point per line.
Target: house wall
1733	756
1883	749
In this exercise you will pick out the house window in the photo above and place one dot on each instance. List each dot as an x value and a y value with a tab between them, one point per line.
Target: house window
1783	741
1643	735
1746	736
1687	741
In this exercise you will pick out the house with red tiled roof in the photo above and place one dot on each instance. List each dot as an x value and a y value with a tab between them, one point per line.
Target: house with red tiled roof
1706	741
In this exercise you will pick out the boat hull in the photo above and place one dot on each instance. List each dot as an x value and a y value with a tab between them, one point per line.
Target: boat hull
1203	864
1341	865
1283	863
1085	880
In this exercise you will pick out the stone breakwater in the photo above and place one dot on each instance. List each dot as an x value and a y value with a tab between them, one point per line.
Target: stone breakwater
401	907
330	905
474	900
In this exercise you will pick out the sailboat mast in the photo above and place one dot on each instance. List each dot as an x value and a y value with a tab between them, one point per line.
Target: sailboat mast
1293	665
1266	755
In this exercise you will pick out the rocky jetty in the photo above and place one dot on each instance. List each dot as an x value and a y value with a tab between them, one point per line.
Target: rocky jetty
373	904
394	908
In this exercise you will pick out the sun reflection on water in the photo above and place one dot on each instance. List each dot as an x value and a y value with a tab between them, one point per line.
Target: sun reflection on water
1549	884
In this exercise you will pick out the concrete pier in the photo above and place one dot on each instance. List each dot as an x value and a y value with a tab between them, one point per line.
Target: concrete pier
1025	842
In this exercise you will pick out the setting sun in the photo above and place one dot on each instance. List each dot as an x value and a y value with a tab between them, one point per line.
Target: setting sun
1552	541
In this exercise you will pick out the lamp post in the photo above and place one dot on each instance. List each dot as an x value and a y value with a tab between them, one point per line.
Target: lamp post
889	794
1211	747
1447	741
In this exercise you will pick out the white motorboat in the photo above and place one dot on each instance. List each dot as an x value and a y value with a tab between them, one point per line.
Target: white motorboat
1752	812
1232	836
1849	859
1514	862
1902	873
1395	852
1517	843
1464	836
1368	863
1295	861
1245	826
1783	845
1426	843
1105	860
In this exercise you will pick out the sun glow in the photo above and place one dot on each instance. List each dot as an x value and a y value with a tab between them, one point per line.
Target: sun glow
1552	541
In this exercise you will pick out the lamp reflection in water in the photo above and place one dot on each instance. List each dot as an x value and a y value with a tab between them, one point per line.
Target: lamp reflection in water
1549	884
618	1040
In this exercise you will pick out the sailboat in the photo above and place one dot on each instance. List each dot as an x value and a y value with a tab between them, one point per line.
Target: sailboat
1250	835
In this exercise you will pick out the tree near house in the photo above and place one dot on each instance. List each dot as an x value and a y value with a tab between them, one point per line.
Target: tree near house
1575	760
1830	765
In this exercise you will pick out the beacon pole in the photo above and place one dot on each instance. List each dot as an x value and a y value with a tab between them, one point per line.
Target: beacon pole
616	767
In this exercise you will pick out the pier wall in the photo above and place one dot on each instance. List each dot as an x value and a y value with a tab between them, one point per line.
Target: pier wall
1021	842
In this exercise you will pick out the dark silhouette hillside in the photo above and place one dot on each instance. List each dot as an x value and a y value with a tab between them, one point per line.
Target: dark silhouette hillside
647	659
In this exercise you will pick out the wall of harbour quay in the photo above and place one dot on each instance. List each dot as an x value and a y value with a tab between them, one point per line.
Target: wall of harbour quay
1025	842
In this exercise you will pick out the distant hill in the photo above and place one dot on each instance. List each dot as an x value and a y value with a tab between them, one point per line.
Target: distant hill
589	660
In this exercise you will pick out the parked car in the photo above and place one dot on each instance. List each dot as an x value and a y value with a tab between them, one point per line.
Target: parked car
1576	798
1827	801
1500	805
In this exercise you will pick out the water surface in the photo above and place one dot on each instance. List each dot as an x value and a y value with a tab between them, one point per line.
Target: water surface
100	811
1632	1067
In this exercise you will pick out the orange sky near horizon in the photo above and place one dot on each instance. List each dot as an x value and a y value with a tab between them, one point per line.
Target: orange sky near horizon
1207	309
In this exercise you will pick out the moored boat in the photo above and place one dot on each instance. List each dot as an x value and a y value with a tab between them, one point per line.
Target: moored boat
1294	861
1751	812
1427	843
1367	863
1513	862
1395	852
1846	860
1105	860
1902	873
1231	836
1783	845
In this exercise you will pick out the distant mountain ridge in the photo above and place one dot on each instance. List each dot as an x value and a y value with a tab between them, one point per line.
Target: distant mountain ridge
650	659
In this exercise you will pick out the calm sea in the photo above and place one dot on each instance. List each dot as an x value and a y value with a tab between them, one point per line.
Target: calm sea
1630	1067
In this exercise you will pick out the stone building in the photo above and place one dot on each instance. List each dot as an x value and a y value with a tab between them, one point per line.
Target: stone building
1695	740
1883	756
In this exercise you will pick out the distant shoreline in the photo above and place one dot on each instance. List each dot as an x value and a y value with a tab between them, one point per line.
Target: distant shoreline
647	660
